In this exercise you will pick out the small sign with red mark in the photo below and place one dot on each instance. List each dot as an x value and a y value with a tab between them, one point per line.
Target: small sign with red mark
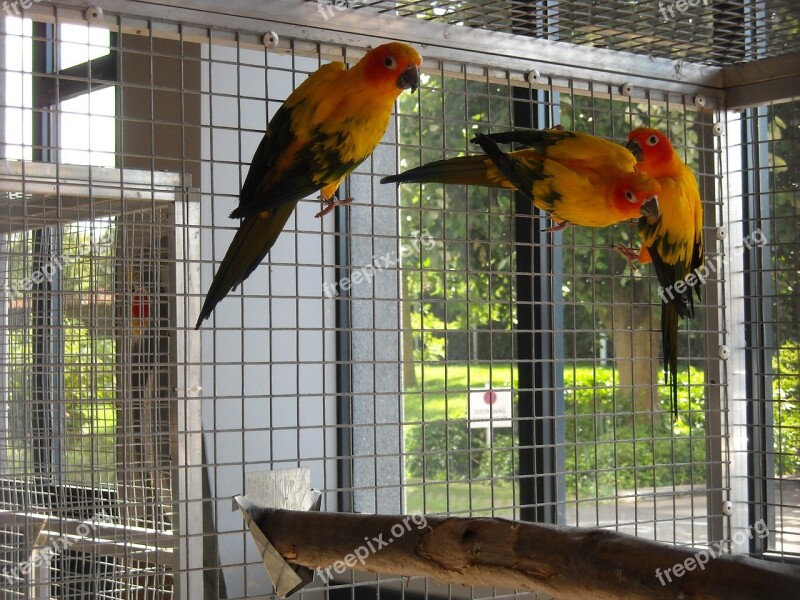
489	407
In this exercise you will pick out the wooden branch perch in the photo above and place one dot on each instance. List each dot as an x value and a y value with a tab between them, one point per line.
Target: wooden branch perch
566	562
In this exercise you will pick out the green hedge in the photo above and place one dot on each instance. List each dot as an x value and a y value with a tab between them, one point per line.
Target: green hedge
611	452
449	450
605	457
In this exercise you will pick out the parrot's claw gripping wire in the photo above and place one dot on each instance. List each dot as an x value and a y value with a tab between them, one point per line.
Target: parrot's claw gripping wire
630	254
557	227
330	204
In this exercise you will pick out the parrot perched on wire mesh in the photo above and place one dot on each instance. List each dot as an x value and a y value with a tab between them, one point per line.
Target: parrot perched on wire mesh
576	178
674	243
326	127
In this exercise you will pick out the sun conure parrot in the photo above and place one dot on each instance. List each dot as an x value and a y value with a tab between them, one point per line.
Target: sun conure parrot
674	243
575	178
326	127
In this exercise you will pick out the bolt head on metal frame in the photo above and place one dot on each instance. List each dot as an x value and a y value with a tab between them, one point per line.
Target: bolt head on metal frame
716	129
626	89
721	233
727	508
723	352
93	14
533	76
271	39
699	101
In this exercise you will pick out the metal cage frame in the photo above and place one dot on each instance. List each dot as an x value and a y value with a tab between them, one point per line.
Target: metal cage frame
728	99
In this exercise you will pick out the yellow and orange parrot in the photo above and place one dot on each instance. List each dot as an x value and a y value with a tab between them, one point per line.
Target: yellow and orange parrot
674	243
326	127
575	178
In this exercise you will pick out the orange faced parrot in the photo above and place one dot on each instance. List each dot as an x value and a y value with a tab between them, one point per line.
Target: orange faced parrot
674	243
326	127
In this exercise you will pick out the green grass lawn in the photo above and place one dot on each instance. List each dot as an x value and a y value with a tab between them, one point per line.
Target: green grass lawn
487	498
603	453
445	389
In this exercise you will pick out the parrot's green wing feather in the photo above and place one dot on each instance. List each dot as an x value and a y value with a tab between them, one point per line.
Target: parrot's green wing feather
292	161
589	151
316	164
537	139
522	178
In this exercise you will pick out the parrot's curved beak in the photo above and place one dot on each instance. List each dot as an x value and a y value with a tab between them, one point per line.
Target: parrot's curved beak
409	78
635	149
650	210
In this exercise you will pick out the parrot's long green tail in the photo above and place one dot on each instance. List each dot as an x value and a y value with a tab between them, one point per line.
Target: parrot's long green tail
669	346
467	170
250	245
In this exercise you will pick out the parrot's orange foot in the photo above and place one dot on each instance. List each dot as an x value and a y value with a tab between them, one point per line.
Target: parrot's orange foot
558	226
331	204
630	254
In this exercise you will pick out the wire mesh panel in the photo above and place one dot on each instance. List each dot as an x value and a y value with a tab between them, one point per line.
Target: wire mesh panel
87	428
765	250
89	284
697	31
429	349
618	457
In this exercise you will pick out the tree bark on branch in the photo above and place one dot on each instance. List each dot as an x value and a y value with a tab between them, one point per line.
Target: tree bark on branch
566	562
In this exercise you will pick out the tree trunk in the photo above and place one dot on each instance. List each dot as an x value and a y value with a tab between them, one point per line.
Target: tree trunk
636	336
635	327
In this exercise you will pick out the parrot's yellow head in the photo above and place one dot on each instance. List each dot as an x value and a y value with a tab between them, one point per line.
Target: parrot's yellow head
636	194
652	150
391	68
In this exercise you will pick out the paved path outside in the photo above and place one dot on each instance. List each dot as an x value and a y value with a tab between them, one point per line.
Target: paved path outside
679	515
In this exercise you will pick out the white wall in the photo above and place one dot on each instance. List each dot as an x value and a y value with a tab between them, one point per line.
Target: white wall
268	371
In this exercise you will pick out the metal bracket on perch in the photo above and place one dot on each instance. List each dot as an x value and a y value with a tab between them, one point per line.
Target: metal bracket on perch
288	489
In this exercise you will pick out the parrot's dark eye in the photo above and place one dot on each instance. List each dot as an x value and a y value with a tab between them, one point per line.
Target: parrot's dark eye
630	196
652	140
390	62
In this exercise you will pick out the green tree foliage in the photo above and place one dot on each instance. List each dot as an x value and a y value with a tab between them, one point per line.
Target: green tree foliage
84	271
786	409
783	226
464	283
782	230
